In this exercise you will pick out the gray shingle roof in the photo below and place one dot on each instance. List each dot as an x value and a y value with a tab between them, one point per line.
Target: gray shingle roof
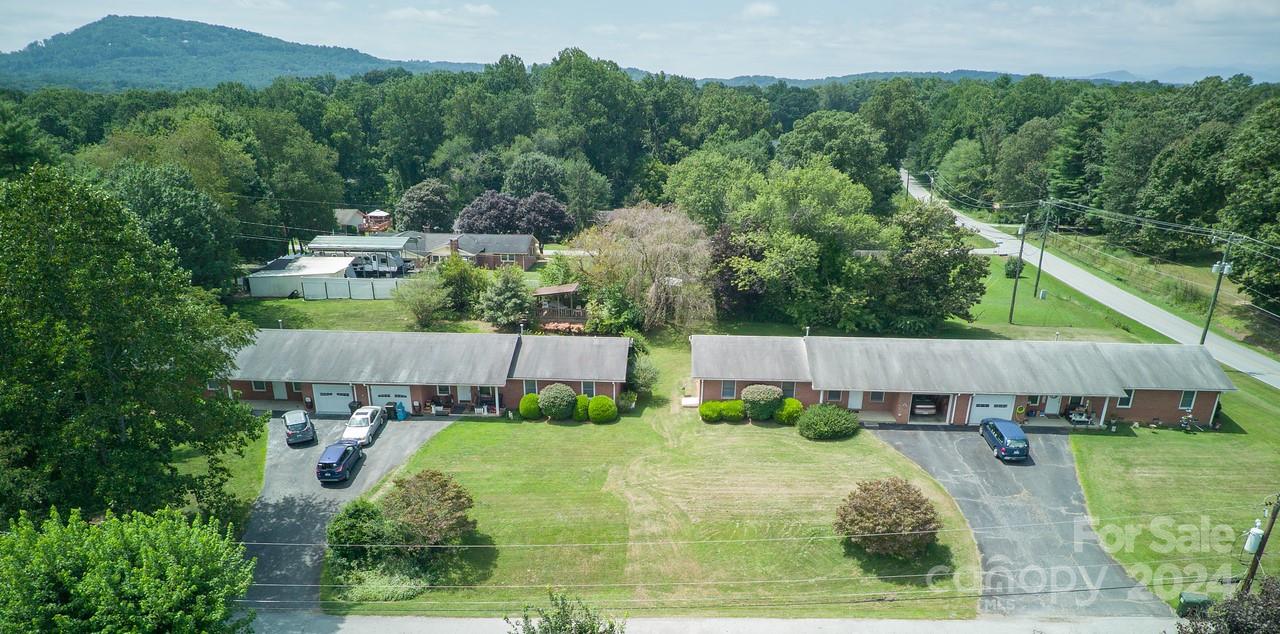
472	242
358	243
397	358
749	358
571	358
959	366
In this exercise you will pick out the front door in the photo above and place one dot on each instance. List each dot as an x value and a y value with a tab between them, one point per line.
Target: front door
278	391
1052	405
464	393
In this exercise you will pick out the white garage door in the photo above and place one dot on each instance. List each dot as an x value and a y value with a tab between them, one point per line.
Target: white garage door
332	399
383	394
990	406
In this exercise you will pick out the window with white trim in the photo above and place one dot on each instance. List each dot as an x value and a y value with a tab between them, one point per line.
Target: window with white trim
832	396
485	391
1075	401
444	390
507	258
788	389
258	386
530	386
295	386
1188	400
876	397
1126	400
1033	399
213	385
728	390
588	389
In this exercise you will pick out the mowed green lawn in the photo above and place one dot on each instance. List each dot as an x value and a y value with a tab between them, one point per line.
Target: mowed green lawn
338	314
1186	482
674	499
246	475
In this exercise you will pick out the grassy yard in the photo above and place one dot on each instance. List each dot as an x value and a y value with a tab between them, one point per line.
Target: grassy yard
667	483
339	314
1065	314
246	475
976	241
1193	481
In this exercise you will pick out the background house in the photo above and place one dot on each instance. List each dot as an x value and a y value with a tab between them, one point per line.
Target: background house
283	276
375	256
486	250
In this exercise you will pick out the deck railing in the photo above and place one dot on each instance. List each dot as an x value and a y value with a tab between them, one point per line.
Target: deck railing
562	314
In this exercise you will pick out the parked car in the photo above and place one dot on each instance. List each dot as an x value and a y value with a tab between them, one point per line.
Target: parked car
298	427
923	405
338	460
1006	439
363	424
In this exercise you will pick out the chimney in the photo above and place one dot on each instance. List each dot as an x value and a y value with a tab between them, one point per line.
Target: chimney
453	245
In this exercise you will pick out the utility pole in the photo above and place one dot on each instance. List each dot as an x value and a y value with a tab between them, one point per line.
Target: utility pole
1222	268
1022	231
1044	234
1262	546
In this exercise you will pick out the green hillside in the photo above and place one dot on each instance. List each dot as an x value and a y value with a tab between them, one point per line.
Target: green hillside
120	52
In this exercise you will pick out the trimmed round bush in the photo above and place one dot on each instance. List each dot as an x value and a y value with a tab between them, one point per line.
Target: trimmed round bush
557	401
732	411
1013	267
709	411
761	401
827	422
529	409
602	409
789	412
891	505
580	408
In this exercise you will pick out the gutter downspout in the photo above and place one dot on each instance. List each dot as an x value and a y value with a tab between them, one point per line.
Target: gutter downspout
1102	422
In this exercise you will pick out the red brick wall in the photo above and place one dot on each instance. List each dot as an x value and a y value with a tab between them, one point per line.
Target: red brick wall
963	402
494	261
1162	404
513	391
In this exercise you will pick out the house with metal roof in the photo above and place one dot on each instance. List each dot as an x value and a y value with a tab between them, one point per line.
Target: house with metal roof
375	255
486	250
960	381
282	277
326	370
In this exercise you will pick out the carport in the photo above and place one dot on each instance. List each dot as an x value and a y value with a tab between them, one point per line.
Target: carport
942	407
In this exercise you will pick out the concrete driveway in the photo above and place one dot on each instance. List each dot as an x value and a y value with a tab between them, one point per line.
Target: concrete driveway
1040	556
295	508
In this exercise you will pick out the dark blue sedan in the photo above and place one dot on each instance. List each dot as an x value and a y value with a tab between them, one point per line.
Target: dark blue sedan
338	460
1006	439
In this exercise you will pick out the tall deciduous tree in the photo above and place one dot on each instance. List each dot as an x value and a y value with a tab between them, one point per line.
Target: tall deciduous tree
851	145
705	184
110	354
1021	173
534	172
897	111
586	191
174	211
130	573
1186	186
22	144
463	281
425	207
1252	167
660	261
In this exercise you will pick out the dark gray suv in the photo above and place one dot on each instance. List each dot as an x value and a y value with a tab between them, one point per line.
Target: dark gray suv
298	427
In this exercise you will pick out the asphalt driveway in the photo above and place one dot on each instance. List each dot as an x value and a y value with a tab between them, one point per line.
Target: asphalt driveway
1040	557
294	508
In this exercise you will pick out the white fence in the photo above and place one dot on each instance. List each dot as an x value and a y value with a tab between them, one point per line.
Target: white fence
349	288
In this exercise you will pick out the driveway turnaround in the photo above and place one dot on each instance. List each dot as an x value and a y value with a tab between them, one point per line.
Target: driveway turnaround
294	508
1040	556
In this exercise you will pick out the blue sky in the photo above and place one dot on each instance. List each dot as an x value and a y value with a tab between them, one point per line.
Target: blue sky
719	38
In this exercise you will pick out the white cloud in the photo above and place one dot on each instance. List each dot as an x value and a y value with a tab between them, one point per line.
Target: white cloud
468	15
757	10
480	10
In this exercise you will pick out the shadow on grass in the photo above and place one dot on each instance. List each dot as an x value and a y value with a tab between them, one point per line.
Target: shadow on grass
466	566
269	314
935	565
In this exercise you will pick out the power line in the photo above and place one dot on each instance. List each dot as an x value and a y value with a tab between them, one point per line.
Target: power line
303	200
726	540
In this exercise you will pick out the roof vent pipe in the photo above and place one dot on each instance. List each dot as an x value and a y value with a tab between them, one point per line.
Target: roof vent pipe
806	331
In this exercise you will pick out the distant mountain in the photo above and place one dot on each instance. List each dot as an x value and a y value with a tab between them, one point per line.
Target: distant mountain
766	80
1119	76
120	52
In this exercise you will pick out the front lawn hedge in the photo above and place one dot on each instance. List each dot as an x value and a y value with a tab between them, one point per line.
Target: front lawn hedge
557	401
602	409
789	412
732	411
761	401
827	422
529	409
709	411
580	408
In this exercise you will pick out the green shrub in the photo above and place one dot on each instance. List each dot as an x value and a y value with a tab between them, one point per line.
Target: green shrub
891	505
642	374
602	409
789	412
1013	267
361	522
827	422
627	399
557	401
382	583
732	411
529	409
580	408
709	411
761	401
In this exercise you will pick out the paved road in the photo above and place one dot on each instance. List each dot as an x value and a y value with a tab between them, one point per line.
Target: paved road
294	508
1040	557
311	623
1224	350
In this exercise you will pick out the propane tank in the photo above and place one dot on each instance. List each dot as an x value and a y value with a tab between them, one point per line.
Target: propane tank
1253	538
